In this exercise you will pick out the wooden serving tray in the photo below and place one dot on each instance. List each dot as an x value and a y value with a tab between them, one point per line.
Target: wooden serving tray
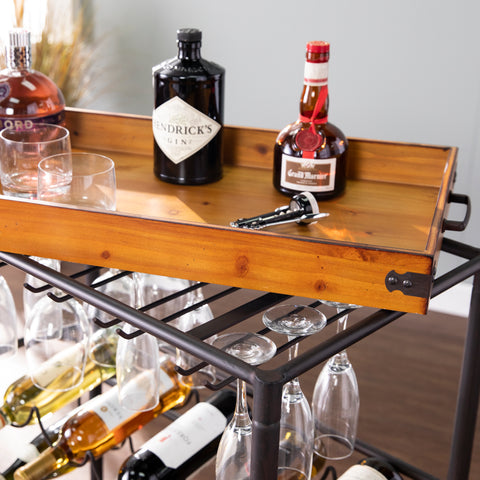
377	248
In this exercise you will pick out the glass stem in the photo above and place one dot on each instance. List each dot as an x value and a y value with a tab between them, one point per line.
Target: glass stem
242	418
294	384
341	357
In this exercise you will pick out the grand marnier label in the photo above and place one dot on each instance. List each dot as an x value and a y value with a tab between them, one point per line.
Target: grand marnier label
307	174
181	130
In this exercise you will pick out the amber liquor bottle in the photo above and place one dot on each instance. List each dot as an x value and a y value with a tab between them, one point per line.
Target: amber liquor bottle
27	96
188	114
311	153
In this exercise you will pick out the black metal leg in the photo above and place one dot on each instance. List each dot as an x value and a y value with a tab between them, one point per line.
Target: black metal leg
468	395
267	400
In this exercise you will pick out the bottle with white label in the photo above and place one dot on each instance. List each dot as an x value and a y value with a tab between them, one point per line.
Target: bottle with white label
99	426
185	445
310	155
187	118
372	468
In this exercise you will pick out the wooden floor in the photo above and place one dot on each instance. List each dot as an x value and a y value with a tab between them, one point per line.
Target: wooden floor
408	376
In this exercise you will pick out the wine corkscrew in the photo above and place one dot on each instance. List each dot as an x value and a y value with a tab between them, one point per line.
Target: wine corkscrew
302	209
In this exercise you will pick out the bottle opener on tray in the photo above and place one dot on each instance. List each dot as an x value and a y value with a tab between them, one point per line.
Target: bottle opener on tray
302	209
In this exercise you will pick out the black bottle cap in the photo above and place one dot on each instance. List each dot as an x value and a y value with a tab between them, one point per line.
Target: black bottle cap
189	35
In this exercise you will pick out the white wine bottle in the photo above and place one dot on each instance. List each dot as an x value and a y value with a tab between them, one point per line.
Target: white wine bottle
28	452
185	445
99	426
373	468
23	395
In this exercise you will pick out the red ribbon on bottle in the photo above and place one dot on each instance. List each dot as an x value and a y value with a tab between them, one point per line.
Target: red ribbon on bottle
322	97
309	140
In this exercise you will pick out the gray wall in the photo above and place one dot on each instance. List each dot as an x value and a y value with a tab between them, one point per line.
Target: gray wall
405	71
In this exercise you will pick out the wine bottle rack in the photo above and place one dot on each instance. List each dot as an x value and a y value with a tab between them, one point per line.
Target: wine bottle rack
379	248
266	382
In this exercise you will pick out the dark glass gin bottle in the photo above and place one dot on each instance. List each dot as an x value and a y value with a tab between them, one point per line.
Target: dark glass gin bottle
311	153
188	114
27	96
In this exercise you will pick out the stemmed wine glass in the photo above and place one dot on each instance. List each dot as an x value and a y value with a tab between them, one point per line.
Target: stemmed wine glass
30	298
186	322
57	336
138	364
122	289
296	421
336	401
8	322
234	451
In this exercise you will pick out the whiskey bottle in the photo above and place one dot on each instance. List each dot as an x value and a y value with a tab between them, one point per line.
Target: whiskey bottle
188	114
310	155
99	426
27	96
22	395
372	468
183	446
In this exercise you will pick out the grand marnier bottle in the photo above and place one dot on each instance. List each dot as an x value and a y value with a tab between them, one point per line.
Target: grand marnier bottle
27	96
310	155
188	114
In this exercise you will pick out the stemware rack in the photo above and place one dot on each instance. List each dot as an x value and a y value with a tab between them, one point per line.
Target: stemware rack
181	232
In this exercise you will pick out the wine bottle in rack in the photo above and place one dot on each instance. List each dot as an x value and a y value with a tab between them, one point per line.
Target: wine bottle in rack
27	96
23	395
28	452
373	468
99	426
183	446
310	155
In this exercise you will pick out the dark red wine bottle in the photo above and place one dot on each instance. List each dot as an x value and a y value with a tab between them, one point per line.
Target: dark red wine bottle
188	115
185	445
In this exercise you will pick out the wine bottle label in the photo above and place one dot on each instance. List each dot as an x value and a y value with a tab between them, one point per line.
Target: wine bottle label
308	174
58	365
187	435
316	74
107	407
180	130
362	472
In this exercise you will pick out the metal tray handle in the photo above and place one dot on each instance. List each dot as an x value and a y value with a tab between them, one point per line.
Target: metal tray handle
458	225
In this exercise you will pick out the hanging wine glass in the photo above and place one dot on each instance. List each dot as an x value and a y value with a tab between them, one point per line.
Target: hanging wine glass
234	451
336	401
138	371
57	338
158	287
186	361
30	298
295	455
8	322
121	289
138	364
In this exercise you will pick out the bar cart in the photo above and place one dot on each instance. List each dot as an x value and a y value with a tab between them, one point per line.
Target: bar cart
378	247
